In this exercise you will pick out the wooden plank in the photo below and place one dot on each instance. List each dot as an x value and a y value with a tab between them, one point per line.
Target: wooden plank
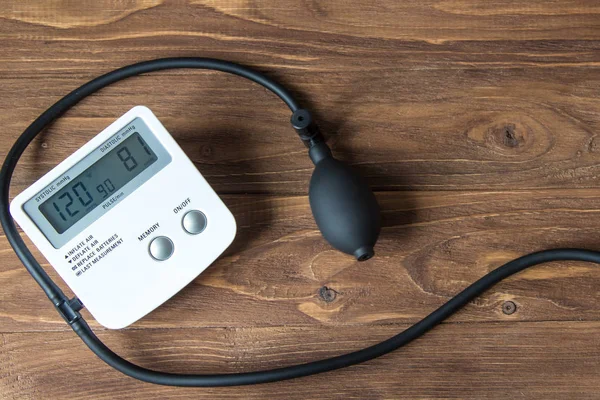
467	361
451	20
403	130
433	244
501	130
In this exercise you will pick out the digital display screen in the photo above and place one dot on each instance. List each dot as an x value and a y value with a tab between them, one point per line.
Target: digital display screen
98	183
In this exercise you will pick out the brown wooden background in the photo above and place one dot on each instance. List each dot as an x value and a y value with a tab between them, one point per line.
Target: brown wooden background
476	122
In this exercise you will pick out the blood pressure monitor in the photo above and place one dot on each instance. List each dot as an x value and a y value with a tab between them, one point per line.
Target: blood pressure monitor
127	220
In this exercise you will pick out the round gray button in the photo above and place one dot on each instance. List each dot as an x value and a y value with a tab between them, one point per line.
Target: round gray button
194	222
161	248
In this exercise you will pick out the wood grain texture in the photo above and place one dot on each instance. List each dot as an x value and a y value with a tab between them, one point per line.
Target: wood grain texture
475	122
433	245
490	360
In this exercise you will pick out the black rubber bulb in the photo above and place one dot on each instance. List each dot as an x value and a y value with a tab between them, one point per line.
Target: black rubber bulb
343	205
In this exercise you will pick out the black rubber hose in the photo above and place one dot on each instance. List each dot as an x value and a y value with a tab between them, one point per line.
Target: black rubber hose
295	371
342	361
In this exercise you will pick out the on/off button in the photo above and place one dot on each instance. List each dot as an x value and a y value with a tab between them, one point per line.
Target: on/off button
161	248
194	222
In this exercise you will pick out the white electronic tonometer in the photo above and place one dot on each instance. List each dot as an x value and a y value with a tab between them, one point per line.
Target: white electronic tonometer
127	220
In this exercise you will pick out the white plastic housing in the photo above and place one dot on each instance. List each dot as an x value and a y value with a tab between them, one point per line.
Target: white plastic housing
127	283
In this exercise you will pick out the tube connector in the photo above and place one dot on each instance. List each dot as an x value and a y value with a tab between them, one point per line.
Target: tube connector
69	310
307	129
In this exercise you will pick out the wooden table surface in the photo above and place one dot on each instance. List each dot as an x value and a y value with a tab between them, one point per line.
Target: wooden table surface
475	122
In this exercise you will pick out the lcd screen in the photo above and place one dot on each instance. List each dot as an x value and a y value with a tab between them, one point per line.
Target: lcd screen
94	185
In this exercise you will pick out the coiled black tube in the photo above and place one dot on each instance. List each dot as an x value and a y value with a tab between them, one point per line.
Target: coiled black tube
58	298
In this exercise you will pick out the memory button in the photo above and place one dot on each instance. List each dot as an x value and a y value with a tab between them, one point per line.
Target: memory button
161	248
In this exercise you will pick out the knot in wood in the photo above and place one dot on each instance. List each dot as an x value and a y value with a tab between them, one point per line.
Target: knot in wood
507	135
327	294
509	307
